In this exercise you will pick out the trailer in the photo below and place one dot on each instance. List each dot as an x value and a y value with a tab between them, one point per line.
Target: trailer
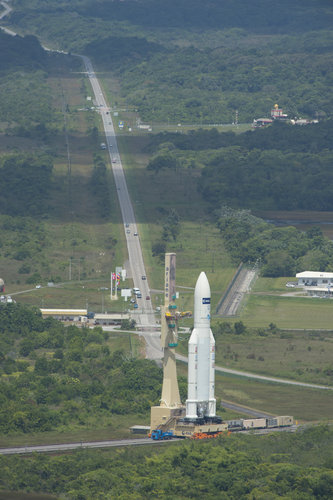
159	435
260	423
254	423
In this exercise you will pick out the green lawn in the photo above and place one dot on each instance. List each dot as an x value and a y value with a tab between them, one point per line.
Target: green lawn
74	227
288	312
272	285
278	399
299	356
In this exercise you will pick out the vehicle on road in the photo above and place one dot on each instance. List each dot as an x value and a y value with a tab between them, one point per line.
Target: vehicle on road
128	231
135	306
143	277
135	234
158	434
139	296
147	298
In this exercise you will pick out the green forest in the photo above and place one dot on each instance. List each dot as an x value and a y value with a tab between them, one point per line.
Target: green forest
199	63
57	377
169	63
237	467
282	167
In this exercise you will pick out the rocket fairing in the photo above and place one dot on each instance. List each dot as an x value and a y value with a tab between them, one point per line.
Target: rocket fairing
201	357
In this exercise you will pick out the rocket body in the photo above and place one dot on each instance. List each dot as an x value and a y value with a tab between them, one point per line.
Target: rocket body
201	357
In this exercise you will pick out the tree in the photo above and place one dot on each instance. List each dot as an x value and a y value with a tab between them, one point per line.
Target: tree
163	161
158	249
239	327
278	263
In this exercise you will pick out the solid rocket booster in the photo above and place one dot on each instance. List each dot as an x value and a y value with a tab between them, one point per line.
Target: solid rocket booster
201	357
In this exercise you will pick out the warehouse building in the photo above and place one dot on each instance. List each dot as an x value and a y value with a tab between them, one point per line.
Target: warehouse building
314	278
316	284
65	314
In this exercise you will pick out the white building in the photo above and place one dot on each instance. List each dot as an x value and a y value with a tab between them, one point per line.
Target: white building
64	314
316	283
314	278
110	319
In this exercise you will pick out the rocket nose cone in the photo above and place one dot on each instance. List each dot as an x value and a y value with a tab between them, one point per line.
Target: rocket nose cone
202	286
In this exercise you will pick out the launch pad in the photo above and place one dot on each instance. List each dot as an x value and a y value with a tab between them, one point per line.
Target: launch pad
198	416
197	419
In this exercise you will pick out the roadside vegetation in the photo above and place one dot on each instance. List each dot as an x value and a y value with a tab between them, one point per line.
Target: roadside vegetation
58	206
231	467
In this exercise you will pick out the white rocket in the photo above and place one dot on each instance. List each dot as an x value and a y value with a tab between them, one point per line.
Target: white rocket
201	357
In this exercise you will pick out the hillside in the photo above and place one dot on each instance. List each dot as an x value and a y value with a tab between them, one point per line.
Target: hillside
199	63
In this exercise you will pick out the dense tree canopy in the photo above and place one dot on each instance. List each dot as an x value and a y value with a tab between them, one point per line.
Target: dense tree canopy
280	465
283	167
199	62
26	184
281	251
55	376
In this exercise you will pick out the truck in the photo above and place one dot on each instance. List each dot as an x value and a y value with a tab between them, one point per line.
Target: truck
159	435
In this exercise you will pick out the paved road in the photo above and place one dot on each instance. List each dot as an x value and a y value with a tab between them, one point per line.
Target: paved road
145	316
5	12
51	448
59	448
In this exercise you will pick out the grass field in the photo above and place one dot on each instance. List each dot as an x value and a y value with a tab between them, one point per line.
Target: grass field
305	356
288	312
198	246
306	405
79	242
302	356
272	285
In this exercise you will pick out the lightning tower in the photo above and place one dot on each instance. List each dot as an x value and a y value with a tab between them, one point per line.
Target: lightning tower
170	401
